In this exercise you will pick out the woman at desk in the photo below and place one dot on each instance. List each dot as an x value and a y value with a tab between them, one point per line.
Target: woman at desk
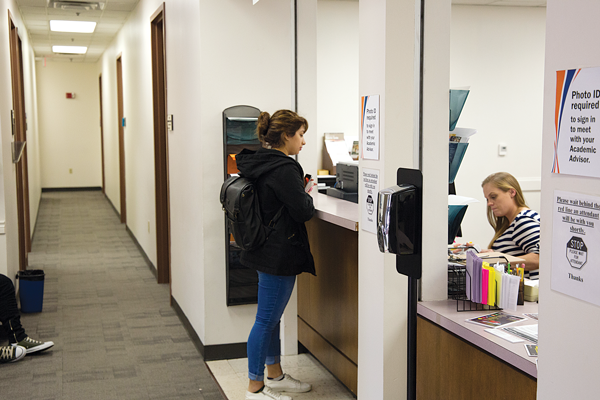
517	227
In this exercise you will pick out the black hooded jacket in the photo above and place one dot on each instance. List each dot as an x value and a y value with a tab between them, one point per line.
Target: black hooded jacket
279	182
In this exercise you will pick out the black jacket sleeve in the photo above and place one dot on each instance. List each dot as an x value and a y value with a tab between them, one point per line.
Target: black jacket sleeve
288	186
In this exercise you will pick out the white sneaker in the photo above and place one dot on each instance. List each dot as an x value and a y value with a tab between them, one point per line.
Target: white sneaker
289	384
266	394
32	345
11	353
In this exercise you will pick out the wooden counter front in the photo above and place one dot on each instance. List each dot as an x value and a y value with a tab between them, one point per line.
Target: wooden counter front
457	360
328	302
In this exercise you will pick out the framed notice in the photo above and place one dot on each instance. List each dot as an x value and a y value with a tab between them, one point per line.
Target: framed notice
575	250
576	122
369	130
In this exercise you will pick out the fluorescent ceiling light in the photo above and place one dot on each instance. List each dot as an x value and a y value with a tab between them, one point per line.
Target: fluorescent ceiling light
69	49
72	26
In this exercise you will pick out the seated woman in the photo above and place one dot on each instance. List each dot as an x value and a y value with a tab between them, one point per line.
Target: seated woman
517	227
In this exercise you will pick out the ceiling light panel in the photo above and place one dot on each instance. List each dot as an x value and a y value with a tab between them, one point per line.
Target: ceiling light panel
72	26
69	49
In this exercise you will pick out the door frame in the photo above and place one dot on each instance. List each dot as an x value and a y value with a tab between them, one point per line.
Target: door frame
122	183
101	134
19	123
161	145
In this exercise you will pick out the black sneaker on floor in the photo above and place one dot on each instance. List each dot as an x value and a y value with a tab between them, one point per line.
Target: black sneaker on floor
11	353
32	345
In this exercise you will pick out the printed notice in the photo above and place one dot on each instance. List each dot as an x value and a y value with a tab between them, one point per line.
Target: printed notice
575	250
368	197
576	122
369	117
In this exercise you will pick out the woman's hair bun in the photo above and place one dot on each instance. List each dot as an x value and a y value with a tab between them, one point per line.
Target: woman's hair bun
262	125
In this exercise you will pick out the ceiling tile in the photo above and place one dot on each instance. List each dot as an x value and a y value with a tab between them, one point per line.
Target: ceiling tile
119	6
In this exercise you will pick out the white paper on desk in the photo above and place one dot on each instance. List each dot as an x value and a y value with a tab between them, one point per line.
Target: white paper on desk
504	335
454	200
338	151
513	292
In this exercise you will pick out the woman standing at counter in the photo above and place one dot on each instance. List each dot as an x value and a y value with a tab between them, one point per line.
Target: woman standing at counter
517	227
285	254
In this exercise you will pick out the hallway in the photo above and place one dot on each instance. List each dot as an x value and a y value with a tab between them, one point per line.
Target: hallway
115	334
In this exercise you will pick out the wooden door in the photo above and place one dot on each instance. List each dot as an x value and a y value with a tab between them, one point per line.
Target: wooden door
19	123
123	196
101	135
161	160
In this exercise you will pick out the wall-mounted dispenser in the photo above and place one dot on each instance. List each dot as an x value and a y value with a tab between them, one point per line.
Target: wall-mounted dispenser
400	231
399	220
396	219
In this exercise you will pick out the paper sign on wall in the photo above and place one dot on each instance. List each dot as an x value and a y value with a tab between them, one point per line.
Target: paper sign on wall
368	197
369	130
577	122
575	250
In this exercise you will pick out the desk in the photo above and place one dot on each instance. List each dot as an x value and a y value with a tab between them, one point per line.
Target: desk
459	360
328	302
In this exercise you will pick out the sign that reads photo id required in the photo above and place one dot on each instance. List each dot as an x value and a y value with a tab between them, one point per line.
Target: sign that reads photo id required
369	128
577	122
575	250
369	190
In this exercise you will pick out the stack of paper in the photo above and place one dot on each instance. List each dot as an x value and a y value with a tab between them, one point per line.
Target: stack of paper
490	284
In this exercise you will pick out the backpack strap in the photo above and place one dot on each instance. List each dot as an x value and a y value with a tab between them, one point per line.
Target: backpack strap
276	217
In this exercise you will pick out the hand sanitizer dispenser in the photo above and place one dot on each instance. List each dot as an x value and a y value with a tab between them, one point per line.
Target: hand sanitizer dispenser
400	231
396	220
399	221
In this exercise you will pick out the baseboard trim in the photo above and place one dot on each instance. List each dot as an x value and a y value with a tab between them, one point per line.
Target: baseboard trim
151	266
113	206
72	189
212	352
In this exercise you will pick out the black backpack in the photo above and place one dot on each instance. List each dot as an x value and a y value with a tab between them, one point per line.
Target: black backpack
242	212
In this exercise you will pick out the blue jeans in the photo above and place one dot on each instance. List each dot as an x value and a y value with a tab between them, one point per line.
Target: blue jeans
263	343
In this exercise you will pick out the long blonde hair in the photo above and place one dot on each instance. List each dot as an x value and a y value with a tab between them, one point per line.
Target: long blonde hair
503	181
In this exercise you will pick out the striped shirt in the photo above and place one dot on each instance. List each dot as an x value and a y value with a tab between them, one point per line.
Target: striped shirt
521	237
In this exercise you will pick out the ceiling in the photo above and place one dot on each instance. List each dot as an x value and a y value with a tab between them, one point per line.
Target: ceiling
110	16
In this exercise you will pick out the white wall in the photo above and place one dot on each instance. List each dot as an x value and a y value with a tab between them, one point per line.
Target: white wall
69	128
252	65
210	67
9	256
133	46
389	67
499	53
568	327
337	70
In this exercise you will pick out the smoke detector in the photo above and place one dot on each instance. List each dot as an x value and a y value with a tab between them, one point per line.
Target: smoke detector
68	5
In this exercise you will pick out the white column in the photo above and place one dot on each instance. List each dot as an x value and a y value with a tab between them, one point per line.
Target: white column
389	67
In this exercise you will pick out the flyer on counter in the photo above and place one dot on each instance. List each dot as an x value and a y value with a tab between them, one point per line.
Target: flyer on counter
496	319
532	350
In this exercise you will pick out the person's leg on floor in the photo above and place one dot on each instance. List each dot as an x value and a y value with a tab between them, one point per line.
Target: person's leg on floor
10	317
273	295
9	313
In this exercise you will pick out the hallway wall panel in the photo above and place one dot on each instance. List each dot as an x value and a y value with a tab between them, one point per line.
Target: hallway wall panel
209	67
69	128
9	256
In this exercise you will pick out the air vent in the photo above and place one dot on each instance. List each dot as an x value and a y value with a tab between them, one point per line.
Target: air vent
76	5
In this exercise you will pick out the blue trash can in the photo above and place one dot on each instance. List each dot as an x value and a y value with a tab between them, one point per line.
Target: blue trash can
31	290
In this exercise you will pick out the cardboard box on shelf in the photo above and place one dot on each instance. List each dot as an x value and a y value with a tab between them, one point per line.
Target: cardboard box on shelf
334	151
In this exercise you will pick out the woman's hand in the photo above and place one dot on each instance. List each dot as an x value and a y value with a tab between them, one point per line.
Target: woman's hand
309	186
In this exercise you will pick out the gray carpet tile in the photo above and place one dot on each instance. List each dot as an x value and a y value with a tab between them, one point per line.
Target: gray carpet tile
115	334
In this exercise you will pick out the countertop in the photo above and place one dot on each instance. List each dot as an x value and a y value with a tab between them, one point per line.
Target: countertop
336	211
444	314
